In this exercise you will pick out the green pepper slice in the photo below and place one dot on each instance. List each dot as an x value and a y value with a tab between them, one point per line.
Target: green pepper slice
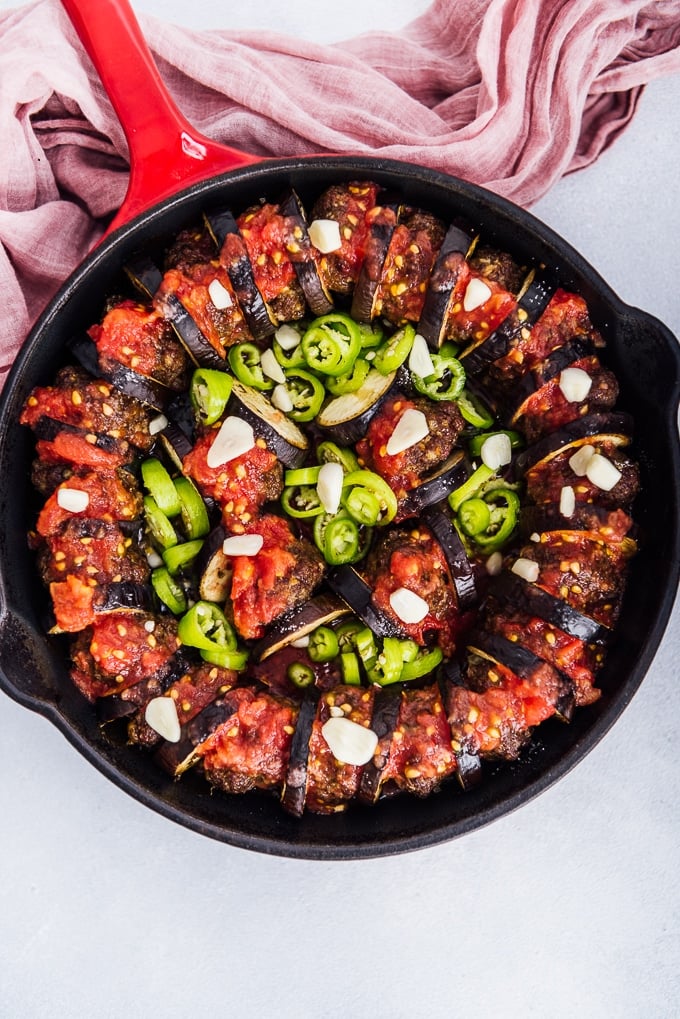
300	674
371	335
364	642
470	487
424	663
160	487
301	476
161	530
192	509
323	644
347	633
307	394
225	658
352	381
447	381
168	590
473	410
288	358
329	452
339	537
474	516
363	506
245	360
377	487
206	627
179	556
301	501
331	344
503	504
209	394
394	352
388	665
349	666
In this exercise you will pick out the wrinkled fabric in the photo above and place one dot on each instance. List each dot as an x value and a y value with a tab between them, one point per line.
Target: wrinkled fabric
509	94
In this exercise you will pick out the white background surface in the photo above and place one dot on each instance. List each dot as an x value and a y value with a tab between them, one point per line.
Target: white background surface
568	907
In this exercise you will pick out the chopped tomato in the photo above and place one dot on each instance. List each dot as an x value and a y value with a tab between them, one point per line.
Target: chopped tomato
267	234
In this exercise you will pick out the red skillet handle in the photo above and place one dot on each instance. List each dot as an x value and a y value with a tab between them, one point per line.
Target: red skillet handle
166	152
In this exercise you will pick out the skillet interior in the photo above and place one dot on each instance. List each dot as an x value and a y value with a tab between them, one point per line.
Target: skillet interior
641	351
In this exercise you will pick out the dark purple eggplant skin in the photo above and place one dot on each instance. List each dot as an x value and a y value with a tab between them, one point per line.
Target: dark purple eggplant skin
610	423
47	429
530	307
286	628
261	323
527	597
521	389
144	275
294	792
445	272
149	392
353	589
192	339
435	488
316	293
377	246
383	724
439	521
170	756
524	663
129	701
288	453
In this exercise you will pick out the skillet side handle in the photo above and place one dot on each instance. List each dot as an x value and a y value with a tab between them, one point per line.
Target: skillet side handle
166	153
27	663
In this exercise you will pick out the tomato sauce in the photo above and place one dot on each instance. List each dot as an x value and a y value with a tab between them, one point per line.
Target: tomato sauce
478	323
331	783
109	499
251	749
267	235
133	335
242	485
260	586
221	327
420	754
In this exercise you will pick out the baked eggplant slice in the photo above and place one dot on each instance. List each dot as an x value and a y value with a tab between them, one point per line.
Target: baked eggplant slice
149	392
294	792
318	611
532	301
234	257
282	435
448	266
439	521
356	593
382	220
200	351
301	253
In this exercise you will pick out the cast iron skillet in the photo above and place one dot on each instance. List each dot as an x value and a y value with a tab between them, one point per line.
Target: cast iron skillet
166	153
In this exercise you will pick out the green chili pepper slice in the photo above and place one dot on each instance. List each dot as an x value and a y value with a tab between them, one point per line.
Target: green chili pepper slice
477	441
206	627
371	335
424	663
474	411
470	487
447	381
363	506
301	476
409	650
209	394
364	642
349	666
301	501
168	590
394	351
346	634
329	452
474	516
160	487
339	536
307	394
503	506
161	530
352	381
179	556
192	508
300	674
331	344
226	658
375	486
340	541
323	644
288	358
388	665
245	360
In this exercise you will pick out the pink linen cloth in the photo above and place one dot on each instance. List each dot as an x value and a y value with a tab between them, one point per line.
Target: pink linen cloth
510	94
